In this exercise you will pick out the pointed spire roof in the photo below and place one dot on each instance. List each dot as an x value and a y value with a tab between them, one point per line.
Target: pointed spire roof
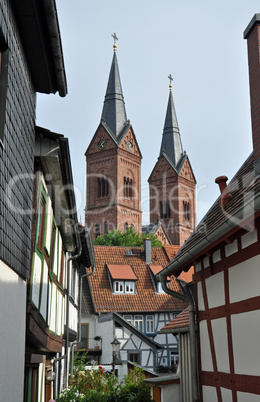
171	140
114	113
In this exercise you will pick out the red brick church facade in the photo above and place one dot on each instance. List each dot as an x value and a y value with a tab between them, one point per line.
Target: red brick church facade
113	196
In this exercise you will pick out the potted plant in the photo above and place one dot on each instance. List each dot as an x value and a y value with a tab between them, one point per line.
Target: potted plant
97	339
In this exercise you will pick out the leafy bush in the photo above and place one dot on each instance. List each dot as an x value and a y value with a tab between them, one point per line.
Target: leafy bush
128	238
96	386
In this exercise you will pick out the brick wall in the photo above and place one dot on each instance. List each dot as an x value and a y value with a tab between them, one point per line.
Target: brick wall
115	163
16	154
168	186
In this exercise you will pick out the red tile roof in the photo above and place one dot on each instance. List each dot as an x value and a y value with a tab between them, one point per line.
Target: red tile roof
122	272
171	251
180	321
145	298
187	276
157	268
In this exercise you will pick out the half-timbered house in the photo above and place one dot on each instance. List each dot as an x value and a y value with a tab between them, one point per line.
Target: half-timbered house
124	299
225	250
31	61
57	251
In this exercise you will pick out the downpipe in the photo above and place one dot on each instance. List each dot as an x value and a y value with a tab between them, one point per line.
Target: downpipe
79	319
187	299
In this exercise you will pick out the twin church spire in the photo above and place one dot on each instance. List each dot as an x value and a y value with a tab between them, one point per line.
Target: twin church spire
114	114
113	196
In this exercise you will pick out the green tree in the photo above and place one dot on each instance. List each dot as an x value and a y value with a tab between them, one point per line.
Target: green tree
128	238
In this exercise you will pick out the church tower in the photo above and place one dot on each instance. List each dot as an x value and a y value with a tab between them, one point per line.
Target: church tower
113	187
172	183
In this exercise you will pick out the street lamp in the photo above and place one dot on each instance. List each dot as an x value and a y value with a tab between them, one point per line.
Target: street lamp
115	349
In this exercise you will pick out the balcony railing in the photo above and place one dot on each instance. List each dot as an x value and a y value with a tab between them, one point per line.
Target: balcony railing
90	344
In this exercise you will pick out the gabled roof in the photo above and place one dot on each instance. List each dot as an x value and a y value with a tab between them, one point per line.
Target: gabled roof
120	320
176	169
145	298
123	272
171	141
153	227
114	113
219	221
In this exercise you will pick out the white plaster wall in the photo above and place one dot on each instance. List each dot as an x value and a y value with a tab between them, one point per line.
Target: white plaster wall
206	359
226	395
171	393
246	397
215	290
216	256
73	317
244	279
248	239
219	329
12	334
245	336
200	297
209	394
231	248
105	330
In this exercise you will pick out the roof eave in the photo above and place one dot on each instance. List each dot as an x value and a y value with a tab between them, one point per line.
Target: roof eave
44	53
242	214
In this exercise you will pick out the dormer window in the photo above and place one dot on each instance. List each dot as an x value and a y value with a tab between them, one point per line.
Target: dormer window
122	279
154	270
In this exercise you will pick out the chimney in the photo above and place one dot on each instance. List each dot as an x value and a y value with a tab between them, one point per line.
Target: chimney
252	34
148	251
225	195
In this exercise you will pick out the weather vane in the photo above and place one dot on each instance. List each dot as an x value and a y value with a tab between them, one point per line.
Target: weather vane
171	79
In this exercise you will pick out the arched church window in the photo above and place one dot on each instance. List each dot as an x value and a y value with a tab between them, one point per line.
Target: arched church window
165	211
105	227
186	210
125	226
128	187
103	187
97	230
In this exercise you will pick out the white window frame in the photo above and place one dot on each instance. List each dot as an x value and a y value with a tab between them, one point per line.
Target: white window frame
174	358
138	322
131	287
119	287
150	324
128	318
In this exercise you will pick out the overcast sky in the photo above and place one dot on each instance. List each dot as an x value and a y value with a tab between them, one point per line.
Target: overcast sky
200	43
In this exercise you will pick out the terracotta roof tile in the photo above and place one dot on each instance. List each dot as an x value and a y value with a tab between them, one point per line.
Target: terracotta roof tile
171	251
145	299
157	268
180	321
122	272
187	276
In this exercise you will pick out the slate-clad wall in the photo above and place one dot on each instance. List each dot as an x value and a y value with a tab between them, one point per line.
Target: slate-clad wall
17	153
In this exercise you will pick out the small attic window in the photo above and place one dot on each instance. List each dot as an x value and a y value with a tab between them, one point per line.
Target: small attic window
154	270
122	278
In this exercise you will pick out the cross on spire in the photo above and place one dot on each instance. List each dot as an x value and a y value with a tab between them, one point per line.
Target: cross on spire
171	79
115	39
